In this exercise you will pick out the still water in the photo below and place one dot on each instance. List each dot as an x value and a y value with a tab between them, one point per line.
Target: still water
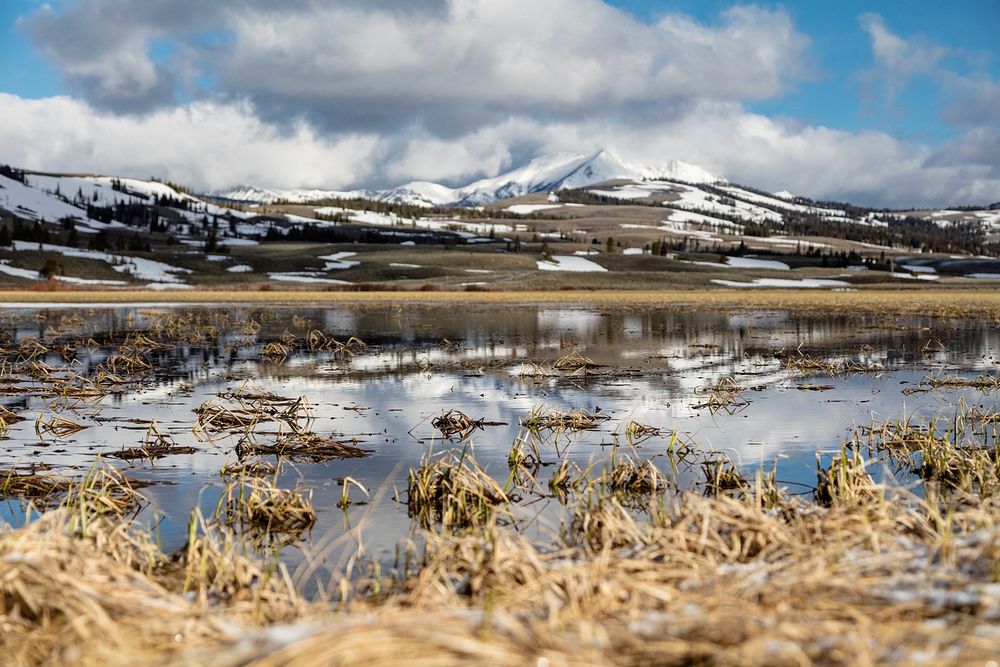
651	366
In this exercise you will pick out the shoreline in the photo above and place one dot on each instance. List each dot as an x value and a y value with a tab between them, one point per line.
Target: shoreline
937	302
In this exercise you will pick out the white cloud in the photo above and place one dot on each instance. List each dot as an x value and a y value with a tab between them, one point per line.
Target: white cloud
378	92
213	145
451	65
207	144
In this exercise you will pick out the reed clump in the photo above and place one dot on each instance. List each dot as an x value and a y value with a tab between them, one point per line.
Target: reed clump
542	418
985	383
800	363
257	502
246	409
457	424
300	446
724	396
452	490
156	444
573	361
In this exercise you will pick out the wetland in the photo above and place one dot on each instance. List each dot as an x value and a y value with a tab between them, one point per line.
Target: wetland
523	469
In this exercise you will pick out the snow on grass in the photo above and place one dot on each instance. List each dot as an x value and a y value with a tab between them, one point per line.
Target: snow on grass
677	215
100	190
624	192
159	287
586	253
528	209
471	230
35	204
681	229
914	276
569	263
632	251
754	263
240	268
222	241
702	201
404	265
780	202
783	282
28	274
785	242
339	261
479	271
305	277
916	268
138	267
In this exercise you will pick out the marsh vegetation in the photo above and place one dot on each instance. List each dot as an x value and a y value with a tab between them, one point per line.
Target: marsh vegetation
585	486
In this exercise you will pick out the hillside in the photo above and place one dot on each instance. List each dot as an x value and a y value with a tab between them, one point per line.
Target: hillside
564	220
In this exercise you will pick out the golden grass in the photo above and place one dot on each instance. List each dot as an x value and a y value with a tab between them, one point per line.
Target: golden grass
717	580
956	302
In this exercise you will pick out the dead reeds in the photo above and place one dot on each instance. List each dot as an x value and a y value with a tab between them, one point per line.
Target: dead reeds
155	445
453	490
724	396
300	446
256	502
456	424
542	418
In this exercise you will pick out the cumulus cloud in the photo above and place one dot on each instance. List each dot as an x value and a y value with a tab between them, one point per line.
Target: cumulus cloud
378	92
213	145
449	66
206	144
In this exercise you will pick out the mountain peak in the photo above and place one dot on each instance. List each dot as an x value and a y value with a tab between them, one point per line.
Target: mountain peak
558	171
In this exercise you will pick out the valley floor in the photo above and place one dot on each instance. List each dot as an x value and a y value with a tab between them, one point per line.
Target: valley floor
952	302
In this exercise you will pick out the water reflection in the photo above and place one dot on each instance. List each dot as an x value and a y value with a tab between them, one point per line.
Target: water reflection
423	360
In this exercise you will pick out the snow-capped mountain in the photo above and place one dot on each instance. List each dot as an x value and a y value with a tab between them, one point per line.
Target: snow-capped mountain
550	172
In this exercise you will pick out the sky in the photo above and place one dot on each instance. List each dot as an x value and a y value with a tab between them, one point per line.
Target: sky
877	103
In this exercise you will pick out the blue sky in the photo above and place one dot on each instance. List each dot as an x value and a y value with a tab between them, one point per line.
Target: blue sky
839	53
912	82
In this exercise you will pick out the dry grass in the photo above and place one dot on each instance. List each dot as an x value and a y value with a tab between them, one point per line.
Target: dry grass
246	409
457	424
937	302
838	368
542	419
985	383
155	445
452	490
718	580
724	396
258	503
573	361
300	446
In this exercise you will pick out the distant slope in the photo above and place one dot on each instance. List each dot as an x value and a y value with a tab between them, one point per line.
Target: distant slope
550	172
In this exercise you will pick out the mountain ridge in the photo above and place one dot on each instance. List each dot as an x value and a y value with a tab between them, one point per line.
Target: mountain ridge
543	173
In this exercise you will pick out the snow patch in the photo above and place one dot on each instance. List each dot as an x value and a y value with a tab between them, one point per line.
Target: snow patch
783	282
569	263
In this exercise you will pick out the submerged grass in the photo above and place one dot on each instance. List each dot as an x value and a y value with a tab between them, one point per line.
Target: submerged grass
863	577
542	419
637	571
452	490
258	503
